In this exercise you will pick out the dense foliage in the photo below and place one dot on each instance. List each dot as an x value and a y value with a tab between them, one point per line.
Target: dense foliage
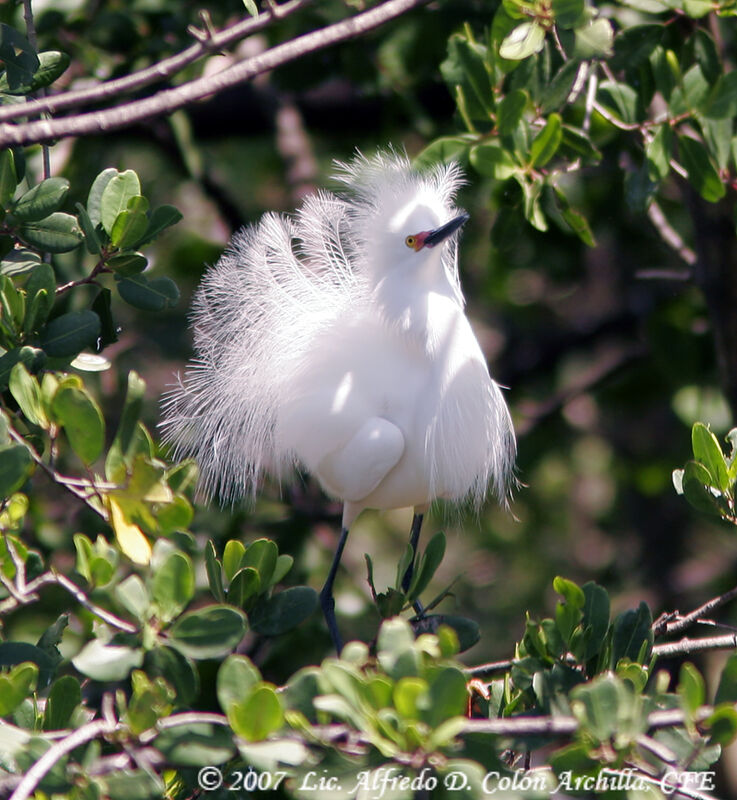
154	646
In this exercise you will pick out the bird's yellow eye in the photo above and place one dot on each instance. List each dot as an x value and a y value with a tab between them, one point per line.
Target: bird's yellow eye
410	241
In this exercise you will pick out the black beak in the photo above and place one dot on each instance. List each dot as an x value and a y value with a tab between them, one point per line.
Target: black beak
444	231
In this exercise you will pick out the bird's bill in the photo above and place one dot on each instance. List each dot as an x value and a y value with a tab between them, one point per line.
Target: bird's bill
440	234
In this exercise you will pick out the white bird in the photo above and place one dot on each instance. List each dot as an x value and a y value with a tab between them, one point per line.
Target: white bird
335	341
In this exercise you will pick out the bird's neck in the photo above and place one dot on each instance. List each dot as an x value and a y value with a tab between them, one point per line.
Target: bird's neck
417	306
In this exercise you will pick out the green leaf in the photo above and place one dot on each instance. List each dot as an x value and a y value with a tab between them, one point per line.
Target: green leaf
722	725
177	670
94	199
128	229
409	695
126	264
467	630
594	40
70	333
175	516
448	695
17	56
727	690
162	217
706	449
149	294
427	566
257	715
8	180
16	685
18	261
690	688
232	555
209	632
119	189
214	572
631	629
107	662
12	653
173	585
659	151
123	449
621	97
82	421
91	237
283	565
443	151
52	64
556	92
40	201
568	13
134	597
261	555
493	160
634	44
31	357
702	173
236	677
707	55
523	41
102	306
595	617
283	611
546	143
575	220
27	393
40	295
570	613
16	465
57	233
65	695
695	482
251	7
510	110
244	587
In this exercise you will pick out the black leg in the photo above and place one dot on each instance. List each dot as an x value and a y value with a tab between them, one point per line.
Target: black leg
414	540
327	602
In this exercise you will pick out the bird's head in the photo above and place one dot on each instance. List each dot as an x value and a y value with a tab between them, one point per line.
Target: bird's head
403	221
413	235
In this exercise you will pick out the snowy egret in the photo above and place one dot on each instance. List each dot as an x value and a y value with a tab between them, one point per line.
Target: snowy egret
335	341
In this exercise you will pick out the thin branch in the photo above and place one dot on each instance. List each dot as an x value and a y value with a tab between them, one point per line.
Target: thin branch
688	646
33	41
56	752
170	100
29	594
69	485
678	623
160	71
658	749
669	234
607	365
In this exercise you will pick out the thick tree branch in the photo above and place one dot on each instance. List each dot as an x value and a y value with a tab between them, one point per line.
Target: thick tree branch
162	70
169	100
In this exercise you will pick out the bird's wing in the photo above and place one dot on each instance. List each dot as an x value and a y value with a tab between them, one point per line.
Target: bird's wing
356	469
